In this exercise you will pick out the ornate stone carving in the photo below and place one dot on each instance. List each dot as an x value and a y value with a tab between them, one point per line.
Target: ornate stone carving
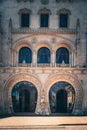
25	0
25	10
44	11
64	11
15	79
44	1
64	0
42	102
70	79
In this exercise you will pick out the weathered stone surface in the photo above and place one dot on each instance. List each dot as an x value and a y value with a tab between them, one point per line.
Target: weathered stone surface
13	38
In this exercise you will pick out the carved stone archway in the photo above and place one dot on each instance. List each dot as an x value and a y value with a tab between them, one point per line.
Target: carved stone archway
73	81
15	52
8	108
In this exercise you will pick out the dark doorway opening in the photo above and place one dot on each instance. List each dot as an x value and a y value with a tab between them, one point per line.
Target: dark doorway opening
24	97
61	101
24	101
61	98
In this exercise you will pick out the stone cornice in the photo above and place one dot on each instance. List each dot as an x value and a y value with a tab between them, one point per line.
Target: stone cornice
25	0
44	70
64	0
44	30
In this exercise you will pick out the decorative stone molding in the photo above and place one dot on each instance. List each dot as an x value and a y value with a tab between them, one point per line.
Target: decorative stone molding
70	79
64	11
64	0
25	10
25	0
10	84
42	44
44	11
44	30
44	1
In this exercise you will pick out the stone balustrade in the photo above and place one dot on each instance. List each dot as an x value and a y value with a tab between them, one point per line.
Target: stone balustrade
41	65
44	30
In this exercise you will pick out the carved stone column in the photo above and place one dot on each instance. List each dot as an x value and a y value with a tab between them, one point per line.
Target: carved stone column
34	58
43	107
53	56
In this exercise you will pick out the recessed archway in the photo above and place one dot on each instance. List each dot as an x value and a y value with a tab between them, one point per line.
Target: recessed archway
12	81
61	98
72	80
24	97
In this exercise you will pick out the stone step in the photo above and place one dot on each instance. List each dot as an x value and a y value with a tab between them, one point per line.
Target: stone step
43	123
39	127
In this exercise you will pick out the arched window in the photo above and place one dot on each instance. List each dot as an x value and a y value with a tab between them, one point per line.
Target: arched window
43	55
25	55
62	55
24	97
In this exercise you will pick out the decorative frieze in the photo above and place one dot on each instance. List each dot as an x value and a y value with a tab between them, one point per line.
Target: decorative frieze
44	1
64	11
64	0
25	0
44	11
25	10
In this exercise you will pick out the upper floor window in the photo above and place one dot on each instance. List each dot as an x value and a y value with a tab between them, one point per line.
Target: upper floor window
25	55
63	20
62	55
25	20
24	17
63	17
44	17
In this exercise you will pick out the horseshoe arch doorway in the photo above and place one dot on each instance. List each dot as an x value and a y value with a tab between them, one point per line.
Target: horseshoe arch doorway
24	97
61	98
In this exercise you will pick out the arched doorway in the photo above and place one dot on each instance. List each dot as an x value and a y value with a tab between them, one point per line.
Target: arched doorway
62	98
61	101
24	103
24	97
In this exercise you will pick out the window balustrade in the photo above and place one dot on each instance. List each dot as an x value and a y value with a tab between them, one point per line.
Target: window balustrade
41	65
44	30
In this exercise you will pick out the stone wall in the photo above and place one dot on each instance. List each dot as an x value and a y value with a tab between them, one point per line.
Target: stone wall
13	38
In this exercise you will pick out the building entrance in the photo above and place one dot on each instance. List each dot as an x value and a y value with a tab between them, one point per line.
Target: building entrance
24	101
61	101
24	97
61	98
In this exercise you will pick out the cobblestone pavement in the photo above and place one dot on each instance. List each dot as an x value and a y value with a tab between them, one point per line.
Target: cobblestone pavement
43	123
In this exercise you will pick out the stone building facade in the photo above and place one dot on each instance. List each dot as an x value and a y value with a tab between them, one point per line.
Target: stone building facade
43	56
